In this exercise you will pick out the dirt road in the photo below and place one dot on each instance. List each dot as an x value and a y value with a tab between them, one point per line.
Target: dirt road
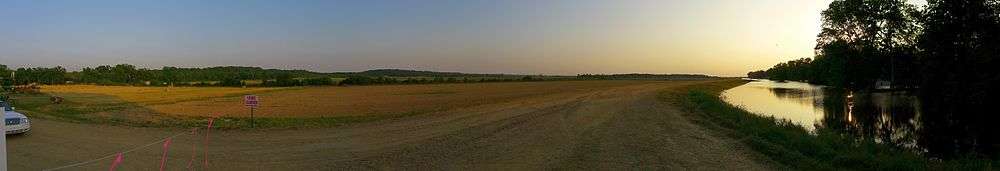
625	127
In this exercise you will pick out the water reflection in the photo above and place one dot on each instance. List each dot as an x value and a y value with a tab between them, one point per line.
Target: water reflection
799	103
886	117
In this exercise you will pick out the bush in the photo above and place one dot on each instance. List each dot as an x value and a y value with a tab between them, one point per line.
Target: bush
282	80
357	80
231	82
319	81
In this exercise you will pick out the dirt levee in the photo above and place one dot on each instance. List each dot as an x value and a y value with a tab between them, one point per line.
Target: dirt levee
618	127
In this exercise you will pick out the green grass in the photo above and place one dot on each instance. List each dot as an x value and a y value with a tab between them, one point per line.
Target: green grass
793	146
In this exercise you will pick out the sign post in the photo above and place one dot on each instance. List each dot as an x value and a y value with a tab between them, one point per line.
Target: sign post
251	101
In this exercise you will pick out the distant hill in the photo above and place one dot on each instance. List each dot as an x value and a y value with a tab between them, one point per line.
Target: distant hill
647	76
125	74
407	73
415	73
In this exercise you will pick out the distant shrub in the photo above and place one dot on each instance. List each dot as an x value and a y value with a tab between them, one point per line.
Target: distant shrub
320	81
231	82
282	80
357	80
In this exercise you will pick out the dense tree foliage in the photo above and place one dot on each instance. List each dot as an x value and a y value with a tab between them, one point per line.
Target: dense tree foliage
949	52
866	41
40	75
232	76
760	74
961	52
861	42
6	84
414	73
367	80
125	74
646	76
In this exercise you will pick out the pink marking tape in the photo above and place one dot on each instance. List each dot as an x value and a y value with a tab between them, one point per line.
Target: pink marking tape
118	160
205	148
163	160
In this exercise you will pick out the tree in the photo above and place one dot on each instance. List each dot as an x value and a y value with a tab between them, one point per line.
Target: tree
319	81
868	36
760	74
960	59
168	75
357	80
231	82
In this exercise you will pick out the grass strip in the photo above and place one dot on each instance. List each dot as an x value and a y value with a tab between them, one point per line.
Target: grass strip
794	146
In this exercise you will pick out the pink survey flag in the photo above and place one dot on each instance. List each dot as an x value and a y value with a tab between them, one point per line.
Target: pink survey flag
118	160
163	160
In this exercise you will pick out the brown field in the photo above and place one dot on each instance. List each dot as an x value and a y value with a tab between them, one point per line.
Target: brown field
619	125
375	100
90	94
308	102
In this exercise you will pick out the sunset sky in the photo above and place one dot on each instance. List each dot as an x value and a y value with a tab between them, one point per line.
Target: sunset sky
716	37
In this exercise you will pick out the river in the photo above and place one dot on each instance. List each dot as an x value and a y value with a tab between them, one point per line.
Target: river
885	117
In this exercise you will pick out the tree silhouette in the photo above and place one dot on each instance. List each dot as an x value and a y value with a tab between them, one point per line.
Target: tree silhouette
961	44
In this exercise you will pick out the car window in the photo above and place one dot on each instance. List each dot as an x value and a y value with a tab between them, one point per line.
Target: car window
5	106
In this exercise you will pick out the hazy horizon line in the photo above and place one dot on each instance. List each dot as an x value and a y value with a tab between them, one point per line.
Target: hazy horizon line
68	69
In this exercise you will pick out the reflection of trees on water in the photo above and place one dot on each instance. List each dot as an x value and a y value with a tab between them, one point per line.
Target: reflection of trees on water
802	96
896	118
958	129
890	118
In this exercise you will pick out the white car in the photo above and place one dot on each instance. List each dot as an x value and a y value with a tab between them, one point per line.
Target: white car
14	123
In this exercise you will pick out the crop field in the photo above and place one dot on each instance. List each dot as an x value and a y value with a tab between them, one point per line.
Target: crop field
91	94
377	100
145	105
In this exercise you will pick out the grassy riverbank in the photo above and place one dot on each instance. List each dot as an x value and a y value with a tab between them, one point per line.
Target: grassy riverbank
793	146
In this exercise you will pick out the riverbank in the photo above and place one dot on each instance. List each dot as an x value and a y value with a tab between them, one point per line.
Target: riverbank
794	146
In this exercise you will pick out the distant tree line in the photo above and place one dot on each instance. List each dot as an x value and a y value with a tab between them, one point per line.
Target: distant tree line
233	76
125	74
645	76
383	80
861	42
949	51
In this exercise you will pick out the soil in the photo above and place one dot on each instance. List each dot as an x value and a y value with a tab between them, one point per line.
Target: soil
624	127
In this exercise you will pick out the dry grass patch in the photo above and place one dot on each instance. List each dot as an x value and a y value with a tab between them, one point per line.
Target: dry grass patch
380	100
283	107
90	94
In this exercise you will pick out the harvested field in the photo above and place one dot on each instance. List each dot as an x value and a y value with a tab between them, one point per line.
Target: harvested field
150	104
377	100
90	94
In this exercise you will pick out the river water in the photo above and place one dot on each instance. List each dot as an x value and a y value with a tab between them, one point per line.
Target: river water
886	117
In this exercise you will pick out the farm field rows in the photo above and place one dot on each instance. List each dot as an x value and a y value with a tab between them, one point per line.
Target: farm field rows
146	105
378	100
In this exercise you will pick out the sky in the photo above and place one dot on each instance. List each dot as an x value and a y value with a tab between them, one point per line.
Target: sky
557	37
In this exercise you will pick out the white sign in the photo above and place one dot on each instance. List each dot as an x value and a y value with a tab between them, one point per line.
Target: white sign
250	101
